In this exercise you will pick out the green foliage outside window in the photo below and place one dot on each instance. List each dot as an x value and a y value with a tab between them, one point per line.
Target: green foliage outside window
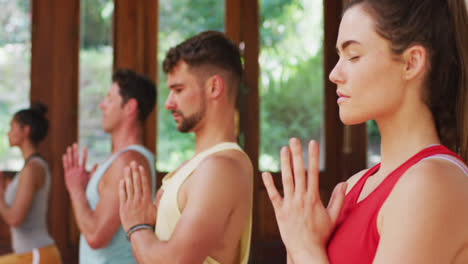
291	80
291	83
15	57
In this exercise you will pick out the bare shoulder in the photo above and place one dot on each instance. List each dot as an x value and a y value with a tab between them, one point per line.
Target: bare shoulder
124	159
115	172
231	164
34	165
435	177
129	156
432	195
354	179
229	170
33	169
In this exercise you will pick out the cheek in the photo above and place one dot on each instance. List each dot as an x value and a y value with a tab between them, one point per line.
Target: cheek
375	91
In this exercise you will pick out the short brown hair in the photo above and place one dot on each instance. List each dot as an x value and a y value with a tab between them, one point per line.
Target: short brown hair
140	87
208	48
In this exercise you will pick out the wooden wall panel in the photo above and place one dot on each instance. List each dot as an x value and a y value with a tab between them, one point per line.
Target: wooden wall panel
54	81
135	46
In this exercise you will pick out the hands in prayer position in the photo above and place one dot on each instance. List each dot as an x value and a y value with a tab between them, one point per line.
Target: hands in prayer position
136	204
305	224
76	176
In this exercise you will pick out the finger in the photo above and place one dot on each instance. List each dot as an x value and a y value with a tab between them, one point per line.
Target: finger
313	167
286	173
122	193
273	194
91	172
128	183
145	186
69	156
64	162
298	166
336	202
84	157
136	178
75	157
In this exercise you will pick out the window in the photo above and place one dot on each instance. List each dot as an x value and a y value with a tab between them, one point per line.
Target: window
15	61
373	143
291	78
95	75
179	20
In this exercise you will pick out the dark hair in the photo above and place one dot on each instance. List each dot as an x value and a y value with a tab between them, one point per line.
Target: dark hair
441	27
134	85
34	117
208	48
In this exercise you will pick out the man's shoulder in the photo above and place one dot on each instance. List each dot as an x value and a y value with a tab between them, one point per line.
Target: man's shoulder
228	161
225	169
137	153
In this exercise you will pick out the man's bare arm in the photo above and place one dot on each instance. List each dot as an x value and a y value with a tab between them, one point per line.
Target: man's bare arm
216	187
98	226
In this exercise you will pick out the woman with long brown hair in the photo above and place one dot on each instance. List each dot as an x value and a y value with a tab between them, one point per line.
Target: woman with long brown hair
404	64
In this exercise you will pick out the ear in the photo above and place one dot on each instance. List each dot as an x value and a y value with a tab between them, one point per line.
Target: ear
415	62
27	129
131	107
215	87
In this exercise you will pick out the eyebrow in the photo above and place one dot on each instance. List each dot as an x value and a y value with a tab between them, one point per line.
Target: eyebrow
175	85
346	44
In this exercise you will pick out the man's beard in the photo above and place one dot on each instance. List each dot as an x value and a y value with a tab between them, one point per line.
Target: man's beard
188	123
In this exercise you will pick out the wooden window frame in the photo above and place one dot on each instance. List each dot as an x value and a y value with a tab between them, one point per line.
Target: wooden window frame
55	35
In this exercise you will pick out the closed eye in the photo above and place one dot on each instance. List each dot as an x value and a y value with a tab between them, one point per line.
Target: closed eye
355	58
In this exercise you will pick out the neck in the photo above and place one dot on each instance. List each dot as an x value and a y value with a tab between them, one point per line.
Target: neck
126	136
404	134
215	129
27	149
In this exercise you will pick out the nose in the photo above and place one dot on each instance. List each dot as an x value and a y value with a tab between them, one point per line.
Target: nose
170	104
336	75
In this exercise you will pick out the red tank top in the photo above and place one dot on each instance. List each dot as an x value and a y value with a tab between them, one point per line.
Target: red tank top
356	238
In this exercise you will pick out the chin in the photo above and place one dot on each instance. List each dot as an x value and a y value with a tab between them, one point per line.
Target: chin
350	120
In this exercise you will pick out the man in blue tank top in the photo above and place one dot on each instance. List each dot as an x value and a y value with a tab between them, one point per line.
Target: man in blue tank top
94	195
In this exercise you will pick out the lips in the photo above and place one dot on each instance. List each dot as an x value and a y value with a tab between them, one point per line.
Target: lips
341	97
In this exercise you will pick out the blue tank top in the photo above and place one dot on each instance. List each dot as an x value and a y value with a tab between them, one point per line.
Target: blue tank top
119	250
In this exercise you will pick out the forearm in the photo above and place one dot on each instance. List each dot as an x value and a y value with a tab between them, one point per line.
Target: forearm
4	212
148	249
84	215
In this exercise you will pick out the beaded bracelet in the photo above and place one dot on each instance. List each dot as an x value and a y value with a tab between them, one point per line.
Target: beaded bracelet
138	227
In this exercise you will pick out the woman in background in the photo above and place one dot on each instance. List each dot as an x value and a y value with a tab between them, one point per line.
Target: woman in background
404	64
23	205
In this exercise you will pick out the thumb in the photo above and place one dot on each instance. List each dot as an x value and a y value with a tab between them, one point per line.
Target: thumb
91	172
336	201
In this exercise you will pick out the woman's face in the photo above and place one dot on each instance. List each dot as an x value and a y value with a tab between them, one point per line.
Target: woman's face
17	134
369	77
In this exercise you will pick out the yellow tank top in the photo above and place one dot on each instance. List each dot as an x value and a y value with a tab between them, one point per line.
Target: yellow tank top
168	210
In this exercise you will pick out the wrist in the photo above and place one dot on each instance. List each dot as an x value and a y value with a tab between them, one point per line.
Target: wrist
137	228
313	256
77	194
